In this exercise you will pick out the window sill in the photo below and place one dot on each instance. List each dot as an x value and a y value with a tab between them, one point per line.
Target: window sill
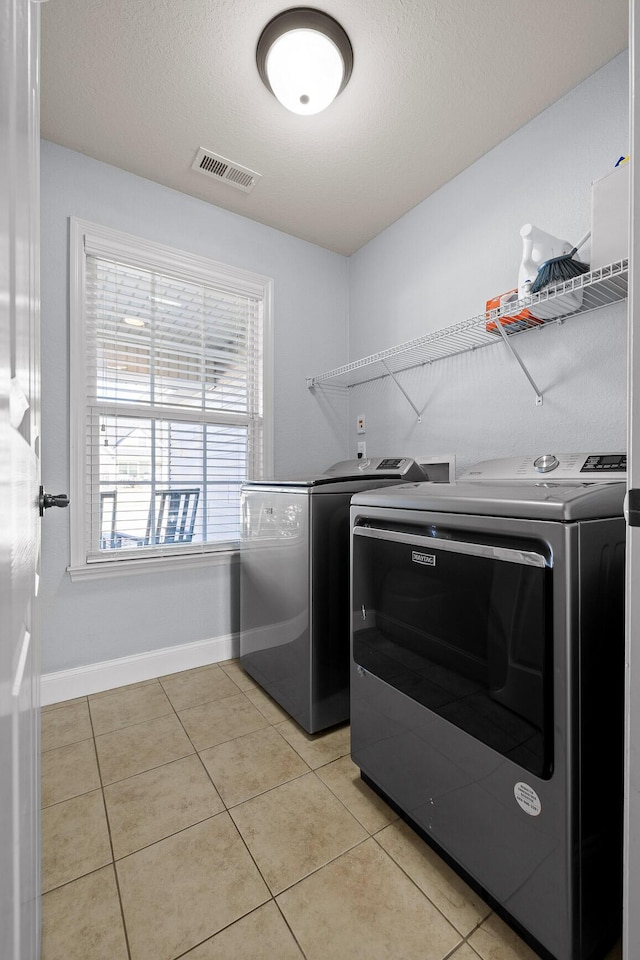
130	566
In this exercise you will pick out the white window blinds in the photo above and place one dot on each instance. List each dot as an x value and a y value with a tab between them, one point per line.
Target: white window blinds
173	406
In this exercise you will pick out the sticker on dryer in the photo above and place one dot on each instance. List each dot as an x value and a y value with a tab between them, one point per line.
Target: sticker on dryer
429	559
527	799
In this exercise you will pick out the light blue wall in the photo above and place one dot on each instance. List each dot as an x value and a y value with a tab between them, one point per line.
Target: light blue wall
436	266
89	622
440	263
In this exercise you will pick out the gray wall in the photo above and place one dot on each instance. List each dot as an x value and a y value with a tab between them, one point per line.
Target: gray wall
89	622
440	263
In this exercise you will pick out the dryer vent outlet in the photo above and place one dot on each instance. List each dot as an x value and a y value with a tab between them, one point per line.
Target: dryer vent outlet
219	168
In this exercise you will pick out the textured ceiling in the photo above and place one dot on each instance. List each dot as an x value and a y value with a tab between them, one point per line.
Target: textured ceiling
436	84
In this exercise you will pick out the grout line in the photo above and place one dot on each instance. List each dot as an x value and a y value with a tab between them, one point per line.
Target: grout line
113	858
344	804
124	922
212	781
452	953
480	922
177	716
319	767
261	793
140	773
93	869
226	927
290	928
264	879
76	796
321	866
81	876
476	954
136	723
156	766
271	703
95	751
230	675
52	707
117	880
169	836
426	896
201	703
191	741
71	743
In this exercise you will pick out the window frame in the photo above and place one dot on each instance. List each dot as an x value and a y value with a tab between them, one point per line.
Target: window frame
90	239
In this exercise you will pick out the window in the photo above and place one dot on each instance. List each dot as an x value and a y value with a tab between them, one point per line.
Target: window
170	400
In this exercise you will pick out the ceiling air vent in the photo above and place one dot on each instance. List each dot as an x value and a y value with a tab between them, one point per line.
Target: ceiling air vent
229	172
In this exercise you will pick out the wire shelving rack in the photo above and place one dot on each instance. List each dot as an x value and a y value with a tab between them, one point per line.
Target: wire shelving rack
554	304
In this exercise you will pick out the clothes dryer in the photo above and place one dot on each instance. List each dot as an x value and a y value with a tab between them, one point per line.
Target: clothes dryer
487	688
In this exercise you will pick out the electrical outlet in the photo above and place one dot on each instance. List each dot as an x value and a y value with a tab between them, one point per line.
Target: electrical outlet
360	428
362	450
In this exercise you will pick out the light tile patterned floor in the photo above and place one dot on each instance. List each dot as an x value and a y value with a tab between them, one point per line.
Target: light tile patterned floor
189	817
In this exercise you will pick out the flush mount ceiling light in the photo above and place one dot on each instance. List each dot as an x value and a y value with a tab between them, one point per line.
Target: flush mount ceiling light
305	59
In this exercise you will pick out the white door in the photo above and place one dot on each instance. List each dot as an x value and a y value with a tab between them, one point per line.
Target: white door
631	937
19	481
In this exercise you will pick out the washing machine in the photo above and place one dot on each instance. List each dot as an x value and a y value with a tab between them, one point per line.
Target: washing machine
294	584
487	684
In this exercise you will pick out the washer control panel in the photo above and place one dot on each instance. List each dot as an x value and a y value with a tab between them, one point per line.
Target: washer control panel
402	468
587	467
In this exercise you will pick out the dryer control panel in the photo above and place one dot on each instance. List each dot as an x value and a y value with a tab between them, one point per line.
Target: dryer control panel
588	467
606	462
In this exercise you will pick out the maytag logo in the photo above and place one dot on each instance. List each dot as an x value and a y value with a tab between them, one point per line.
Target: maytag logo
428	559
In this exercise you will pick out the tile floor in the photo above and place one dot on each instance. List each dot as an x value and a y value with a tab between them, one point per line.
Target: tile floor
190	817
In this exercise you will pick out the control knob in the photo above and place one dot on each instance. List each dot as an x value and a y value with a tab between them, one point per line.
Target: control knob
546	463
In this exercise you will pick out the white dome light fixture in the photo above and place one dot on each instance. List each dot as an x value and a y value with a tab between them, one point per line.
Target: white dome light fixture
305	59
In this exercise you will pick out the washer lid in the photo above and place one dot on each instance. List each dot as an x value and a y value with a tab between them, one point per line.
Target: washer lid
365	469
319	479
544	500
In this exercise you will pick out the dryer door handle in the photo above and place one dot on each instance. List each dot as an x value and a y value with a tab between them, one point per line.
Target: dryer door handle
525	557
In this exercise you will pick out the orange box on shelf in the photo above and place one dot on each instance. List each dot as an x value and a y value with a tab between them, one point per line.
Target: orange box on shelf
516	321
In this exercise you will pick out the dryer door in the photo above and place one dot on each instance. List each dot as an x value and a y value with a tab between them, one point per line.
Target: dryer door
461	626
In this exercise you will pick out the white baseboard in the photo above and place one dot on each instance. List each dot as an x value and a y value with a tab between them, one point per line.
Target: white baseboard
95	677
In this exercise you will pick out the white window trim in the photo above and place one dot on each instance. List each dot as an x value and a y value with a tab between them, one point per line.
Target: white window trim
94	239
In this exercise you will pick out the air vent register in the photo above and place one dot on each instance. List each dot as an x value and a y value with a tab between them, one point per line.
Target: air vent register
219	168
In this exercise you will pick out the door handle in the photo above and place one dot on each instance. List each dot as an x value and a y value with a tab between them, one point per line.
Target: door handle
467	548
631	507
46	500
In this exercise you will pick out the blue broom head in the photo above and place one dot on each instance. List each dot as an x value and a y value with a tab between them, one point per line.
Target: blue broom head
558	270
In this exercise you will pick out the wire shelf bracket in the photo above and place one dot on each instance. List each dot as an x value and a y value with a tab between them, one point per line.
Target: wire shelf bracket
514	352
402	390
